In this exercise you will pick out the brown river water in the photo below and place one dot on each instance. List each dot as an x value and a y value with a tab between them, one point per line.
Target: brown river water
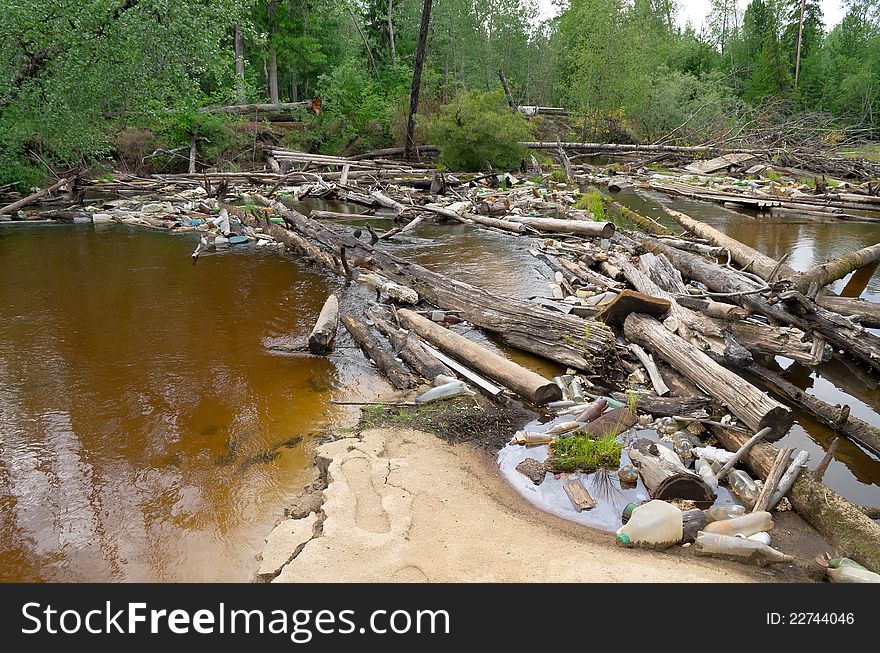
147	433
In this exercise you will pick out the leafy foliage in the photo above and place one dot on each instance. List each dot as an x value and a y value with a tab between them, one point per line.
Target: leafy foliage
476	130
584	452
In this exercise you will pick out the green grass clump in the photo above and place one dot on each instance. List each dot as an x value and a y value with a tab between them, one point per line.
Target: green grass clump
558	176
594	202
582	451
772	175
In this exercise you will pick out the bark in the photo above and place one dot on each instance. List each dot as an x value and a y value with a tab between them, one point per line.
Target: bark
506	88
665	480
750	405
324	331
411	351
399	377
273	77
239	65
391	33
410	144
527	384
838	268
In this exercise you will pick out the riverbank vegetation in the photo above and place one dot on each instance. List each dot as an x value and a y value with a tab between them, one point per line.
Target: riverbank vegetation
120	83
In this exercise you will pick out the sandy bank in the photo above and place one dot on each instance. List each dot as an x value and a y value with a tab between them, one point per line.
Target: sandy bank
402	505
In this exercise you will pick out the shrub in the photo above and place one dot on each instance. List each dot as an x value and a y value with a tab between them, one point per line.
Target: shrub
479	129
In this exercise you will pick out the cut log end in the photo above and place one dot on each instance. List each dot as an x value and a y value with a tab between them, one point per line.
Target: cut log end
780	420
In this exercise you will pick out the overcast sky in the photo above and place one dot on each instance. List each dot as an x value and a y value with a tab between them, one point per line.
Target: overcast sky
695	11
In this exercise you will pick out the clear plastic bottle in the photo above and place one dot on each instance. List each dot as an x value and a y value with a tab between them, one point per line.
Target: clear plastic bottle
724	512
704	469
716	543
683	446
447	391
743	486
655	524
745	525
844	570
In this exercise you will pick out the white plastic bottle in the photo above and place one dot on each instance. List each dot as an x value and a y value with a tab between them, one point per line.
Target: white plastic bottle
704	469
655	524
724	512
754	522
716	543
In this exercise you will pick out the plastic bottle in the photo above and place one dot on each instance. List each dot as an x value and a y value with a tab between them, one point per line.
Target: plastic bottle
683	446
763	537
724	512
593	411
713	454
746	525
655	524
446	391
844	570
443	379
704	469
739	547
743	486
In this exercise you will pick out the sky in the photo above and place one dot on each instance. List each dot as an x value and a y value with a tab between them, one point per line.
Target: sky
695	11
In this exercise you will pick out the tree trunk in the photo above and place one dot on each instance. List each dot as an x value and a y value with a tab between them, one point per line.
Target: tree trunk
527	384
744	400
411	351
399	377
409	144
33	197
273	77
838	268
391	33
838	418
506	88
665	480
324	331
239	65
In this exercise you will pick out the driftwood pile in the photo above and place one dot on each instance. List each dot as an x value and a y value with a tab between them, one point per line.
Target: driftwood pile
663	317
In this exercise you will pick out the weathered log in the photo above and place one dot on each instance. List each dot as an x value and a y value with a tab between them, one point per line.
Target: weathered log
632	301
807	316
741	452
647	361
411	351
773	479
324	331
239	109
669	406
33	197
627	147
840	522
852	427
665	480
718	310
566	339
865	312
359	331
838	268
527	384
645	223
586	228
697	248
382	199
822	467
744	400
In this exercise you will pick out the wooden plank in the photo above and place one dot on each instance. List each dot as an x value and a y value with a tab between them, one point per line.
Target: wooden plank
580	498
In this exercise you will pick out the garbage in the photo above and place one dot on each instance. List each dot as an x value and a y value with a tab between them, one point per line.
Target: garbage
442	379
593	411
692	522
738	547
744	525
683	446
763	537
564	427
704	469
713	454
238	240
531	439
844	570
719	513
743	486
655	524
447	391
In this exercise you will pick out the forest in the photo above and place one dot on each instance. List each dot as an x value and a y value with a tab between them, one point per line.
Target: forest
119	83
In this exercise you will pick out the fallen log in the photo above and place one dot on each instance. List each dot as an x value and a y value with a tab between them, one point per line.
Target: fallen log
834	416
626	147
840	522
399	377
239	109
668	406
586	228
33	197
744	400
664	479
838	268
411	351
773	479
718	310
324	331
527	384
569	340
645	223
